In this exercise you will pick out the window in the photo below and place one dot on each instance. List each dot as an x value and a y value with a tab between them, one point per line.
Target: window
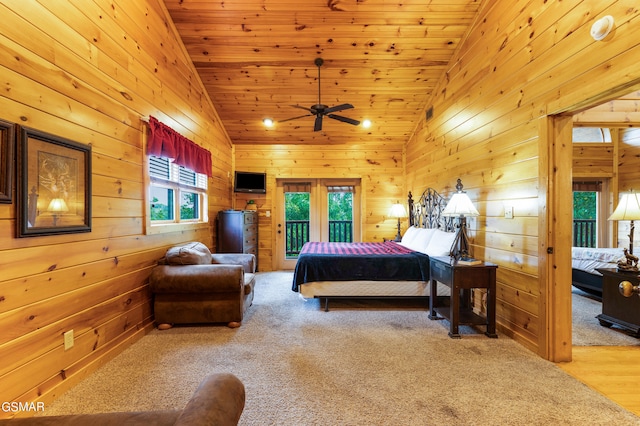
591	134
176	193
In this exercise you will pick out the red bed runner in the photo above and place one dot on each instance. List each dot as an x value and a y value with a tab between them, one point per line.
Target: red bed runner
354	249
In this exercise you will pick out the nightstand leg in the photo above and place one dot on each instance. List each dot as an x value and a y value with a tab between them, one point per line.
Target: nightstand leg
454	313
491	310
433	295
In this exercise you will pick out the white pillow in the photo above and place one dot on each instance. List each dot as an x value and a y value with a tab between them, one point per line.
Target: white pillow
440	244
409	235
419	239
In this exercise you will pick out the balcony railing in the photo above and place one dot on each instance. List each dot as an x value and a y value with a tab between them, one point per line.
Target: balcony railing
584	232
297	233
340	231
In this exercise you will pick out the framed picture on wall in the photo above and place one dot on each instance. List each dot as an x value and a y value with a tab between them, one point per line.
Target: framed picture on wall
7	143
54	185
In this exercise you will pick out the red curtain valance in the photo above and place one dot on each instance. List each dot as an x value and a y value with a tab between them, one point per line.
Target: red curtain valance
165	142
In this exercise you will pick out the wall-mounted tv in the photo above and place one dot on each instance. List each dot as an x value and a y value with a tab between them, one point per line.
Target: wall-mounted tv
250	182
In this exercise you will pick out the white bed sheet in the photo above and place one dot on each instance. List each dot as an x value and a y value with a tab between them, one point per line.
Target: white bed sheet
589	259
369	289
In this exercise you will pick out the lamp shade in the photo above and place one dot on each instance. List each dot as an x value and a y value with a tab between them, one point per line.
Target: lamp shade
57	205
460	205
628	208
397	210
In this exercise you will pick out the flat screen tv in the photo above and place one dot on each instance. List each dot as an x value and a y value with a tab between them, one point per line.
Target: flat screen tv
250	182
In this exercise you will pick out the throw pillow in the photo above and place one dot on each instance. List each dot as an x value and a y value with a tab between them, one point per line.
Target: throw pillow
193	253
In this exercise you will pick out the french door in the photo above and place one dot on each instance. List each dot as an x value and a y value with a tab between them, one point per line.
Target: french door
315	210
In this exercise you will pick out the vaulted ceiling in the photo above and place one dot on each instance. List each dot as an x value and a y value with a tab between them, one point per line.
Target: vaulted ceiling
256	60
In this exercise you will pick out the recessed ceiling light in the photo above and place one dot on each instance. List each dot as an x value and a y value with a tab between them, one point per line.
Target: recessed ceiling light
268	122
602	27
366	123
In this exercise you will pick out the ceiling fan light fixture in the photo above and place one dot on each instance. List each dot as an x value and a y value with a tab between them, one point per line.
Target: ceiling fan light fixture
366	123
268	122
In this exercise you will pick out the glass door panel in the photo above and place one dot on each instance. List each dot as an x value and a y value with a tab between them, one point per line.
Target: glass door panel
314	210
297	220
340	205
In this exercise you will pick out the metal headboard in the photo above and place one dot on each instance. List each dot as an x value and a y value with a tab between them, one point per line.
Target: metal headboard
427	212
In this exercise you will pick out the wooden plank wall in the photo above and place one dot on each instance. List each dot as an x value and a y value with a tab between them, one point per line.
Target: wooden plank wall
379	165
92	71
520	62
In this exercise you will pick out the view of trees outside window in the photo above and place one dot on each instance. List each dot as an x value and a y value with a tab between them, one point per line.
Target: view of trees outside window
584	218
161	203
340	216
296	216
189	208
296	206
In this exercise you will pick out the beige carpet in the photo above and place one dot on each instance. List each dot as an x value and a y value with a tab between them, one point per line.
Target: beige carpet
587	330
361	363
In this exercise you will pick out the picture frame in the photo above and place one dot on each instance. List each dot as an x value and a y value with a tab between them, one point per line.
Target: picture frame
7	144
54	185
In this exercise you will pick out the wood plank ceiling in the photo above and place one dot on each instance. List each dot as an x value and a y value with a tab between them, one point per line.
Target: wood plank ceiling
256	60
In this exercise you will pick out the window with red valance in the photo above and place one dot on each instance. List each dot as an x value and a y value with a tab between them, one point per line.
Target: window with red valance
165	142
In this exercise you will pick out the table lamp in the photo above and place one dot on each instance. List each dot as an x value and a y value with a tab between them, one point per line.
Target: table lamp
398	211
56	207
460	206
628	209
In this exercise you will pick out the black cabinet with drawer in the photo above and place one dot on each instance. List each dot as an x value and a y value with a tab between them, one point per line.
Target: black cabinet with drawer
238	232
617	309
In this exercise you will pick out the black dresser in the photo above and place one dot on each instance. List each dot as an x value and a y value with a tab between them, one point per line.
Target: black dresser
238	232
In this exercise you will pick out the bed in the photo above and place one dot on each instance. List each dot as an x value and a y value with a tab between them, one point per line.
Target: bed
584	263
382	269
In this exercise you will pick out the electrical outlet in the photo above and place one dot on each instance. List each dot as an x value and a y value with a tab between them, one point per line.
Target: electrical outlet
508	212
68	340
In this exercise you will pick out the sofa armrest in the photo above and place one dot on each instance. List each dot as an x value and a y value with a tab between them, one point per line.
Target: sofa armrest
219	400
248	261
197	279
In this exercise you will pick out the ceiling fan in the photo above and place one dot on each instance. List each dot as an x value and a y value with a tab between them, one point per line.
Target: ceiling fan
320	110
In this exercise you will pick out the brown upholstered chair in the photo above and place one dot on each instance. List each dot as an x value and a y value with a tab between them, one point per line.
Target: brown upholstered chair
219	400
190	285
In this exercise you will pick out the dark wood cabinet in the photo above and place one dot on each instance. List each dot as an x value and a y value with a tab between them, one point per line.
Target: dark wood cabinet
461	279
617	309
238	232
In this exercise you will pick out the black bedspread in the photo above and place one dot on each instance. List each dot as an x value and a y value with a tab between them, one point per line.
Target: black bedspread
386	261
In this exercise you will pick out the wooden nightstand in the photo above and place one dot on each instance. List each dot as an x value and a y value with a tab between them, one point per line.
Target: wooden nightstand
460	279
617	309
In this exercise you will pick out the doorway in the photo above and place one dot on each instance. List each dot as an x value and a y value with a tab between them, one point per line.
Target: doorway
557	293
315	210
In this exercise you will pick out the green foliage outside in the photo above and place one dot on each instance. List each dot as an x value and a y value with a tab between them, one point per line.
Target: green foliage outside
189	206
160	211
297	206
297	209
584	205
340	206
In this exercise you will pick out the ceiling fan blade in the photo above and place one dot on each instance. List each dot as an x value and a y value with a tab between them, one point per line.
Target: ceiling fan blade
344	119
318	124
337	108
295	118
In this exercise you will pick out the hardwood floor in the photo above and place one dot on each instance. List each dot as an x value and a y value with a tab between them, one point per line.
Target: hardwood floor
614	371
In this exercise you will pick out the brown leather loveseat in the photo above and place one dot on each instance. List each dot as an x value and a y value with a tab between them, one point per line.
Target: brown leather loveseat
190	285
219	400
